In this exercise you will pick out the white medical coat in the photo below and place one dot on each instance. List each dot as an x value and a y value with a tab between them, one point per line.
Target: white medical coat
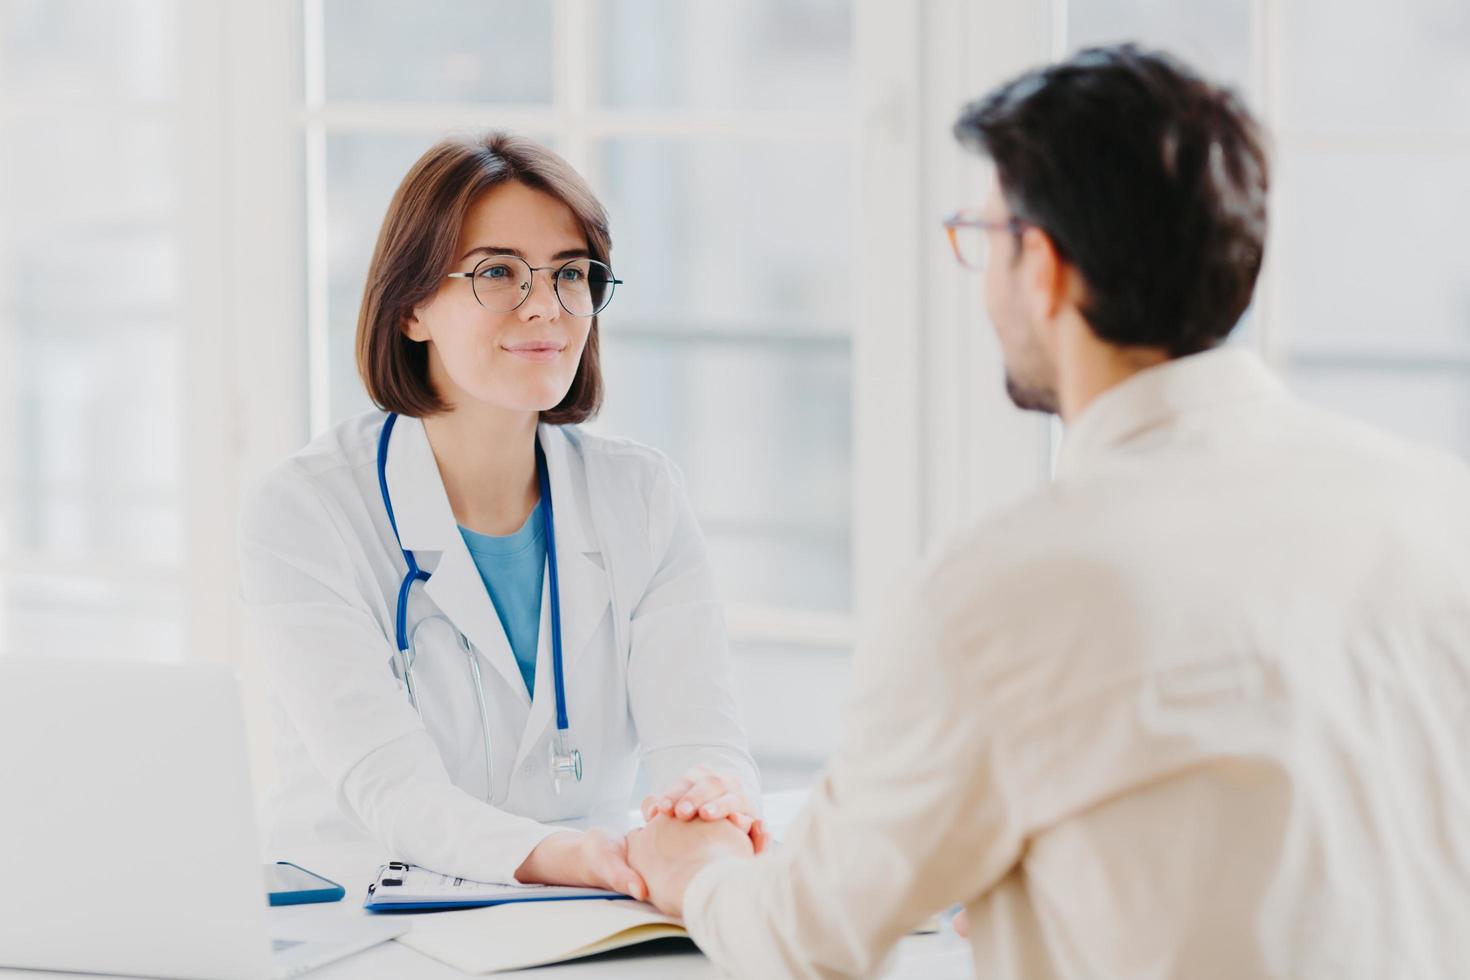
645	655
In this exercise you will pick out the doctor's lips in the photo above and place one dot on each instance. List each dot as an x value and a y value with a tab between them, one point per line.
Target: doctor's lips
535	350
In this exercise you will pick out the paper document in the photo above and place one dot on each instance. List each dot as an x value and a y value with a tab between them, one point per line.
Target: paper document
510	937
406	888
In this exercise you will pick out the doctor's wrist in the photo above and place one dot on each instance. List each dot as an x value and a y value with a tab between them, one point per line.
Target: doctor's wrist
588	859
554	861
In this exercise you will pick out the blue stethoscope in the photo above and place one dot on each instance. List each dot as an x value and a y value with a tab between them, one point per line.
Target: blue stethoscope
566	761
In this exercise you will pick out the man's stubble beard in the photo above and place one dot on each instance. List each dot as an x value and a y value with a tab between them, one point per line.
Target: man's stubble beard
1031	398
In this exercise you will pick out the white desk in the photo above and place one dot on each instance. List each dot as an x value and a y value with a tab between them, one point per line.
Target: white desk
355	865
941	955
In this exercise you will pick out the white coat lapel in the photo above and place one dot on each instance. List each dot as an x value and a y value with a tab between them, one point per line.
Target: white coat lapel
581	565
584	592
543	704
426	524
457	588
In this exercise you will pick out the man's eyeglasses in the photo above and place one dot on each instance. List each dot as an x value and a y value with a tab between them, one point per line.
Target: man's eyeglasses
502	283
967	232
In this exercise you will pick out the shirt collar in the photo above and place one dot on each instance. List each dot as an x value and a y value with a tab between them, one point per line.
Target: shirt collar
1160	394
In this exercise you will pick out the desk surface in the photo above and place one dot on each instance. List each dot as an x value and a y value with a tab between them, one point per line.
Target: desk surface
355	866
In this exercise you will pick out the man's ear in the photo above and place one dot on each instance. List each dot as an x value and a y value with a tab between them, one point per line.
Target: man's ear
1048	276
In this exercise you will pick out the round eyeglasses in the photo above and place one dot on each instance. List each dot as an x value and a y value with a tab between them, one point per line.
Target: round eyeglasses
502	283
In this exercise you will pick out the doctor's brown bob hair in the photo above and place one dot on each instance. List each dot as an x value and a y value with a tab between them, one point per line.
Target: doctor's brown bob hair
416	248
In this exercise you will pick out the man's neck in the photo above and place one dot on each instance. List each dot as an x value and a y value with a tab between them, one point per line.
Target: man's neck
1088	366
487	460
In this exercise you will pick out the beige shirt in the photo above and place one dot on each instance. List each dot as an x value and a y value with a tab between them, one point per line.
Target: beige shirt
1200	709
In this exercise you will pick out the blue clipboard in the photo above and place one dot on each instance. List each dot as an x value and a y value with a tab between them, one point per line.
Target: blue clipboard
407	888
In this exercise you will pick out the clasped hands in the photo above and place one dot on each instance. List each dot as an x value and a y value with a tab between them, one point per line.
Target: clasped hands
703	817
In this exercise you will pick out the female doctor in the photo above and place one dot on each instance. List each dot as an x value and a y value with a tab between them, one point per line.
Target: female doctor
476	617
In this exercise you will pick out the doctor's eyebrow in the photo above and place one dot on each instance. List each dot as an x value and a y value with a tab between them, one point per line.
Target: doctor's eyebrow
571	253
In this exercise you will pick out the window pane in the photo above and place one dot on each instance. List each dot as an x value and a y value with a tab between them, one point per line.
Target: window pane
94	442
1371	248
114	272
438	50
763	435
90	304
69	50
85	418
59	176
790	699
757	54
1213	36
90	294
54	616
752	236
1356	65
1430	405
91	369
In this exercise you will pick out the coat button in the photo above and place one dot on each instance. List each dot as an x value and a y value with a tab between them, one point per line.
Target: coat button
529	767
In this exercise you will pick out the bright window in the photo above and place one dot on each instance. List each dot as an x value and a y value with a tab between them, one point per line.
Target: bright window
92	463
1365	301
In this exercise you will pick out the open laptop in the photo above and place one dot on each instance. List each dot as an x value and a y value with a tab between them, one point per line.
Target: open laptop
127	827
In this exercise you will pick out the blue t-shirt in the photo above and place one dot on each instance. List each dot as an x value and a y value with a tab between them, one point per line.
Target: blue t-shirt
512	569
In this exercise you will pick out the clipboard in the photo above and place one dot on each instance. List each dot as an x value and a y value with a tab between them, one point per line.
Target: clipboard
403	887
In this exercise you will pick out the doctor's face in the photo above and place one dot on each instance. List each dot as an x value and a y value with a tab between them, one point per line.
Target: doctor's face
521	360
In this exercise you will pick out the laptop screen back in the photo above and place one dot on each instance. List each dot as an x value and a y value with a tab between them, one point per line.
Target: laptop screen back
127	821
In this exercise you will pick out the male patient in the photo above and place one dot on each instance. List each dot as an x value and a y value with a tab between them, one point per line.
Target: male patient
1201	708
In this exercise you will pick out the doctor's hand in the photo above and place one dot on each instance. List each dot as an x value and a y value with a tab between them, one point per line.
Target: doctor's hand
708	795
669	852
587	859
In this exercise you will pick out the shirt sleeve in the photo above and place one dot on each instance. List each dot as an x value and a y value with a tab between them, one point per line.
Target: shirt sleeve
680	682
914	815
328	661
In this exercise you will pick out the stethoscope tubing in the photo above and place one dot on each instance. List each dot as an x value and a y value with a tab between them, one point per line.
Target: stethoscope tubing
417	574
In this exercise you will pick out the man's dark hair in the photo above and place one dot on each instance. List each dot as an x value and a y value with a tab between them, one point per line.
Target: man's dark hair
1148	179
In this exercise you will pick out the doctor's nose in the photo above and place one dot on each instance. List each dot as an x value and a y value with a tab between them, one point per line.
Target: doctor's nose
541	302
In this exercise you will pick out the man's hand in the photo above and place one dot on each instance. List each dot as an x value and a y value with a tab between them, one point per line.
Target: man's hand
703	794
669	852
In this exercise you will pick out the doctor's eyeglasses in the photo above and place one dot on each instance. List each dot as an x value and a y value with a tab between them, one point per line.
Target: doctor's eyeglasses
967	232
502	283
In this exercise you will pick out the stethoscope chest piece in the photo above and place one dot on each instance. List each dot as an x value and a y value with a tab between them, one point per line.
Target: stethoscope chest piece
566	761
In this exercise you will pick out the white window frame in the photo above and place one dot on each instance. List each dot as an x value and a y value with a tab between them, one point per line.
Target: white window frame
208	489
1291	137
981	453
